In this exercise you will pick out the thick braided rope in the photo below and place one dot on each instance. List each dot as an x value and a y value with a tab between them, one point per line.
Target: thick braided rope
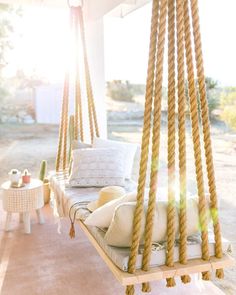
63	112
95	117
171	141
78	104
155	140
75	33
182	138
64	115
91	128
71	136
206	132
59	147
65	130
196	139
91	105
145	141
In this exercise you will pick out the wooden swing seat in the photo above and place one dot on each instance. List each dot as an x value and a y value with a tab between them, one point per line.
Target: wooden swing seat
161	272
68	196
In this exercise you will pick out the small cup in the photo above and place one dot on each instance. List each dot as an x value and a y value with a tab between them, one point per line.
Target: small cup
26	178
14	176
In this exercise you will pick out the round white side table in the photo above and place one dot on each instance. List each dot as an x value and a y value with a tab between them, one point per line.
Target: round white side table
23	200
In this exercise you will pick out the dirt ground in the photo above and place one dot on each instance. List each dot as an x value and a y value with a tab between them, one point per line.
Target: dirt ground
24	146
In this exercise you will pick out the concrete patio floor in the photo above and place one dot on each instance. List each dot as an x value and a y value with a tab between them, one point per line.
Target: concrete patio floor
48	263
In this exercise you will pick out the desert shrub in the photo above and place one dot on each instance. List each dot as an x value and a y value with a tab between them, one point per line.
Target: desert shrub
138	89
229	116
213	95
119	90
228	106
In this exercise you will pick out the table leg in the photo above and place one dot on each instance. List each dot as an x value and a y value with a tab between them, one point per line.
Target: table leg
40	216
26	217
8	221
21	217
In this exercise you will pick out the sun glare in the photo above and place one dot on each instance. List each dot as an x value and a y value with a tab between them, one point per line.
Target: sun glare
41	43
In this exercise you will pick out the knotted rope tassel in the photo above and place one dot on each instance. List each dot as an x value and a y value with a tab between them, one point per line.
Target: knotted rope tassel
72	219
72	231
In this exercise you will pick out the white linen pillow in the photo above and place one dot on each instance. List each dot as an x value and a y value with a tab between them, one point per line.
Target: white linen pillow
130	150
97	167
119	233
102	216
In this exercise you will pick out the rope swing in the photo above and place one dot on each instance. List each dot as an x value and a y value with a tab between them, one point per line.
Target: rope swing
177	14
178	21
78	43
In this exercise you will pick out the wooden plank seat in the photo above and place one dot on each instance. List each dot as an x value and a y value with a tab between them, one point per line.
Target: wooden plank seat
65	197
161	272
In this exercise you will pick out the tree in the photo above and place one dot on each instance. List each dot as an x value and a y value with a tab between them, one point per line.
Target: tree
6	31
119	90
213	95
228	106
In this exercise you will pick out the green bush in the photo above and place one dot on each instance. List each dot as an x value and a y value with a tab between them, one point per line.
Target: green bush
213	95
229	116
228	106
119	90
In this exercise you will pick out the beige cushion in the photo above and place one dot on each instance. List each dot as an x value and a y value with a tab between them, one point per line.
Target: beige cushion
97	167
106	194
120	230
130	150
102	216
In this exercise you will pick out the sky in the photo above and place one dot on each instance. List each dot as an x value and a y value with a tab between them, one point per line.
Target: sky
218	26
41	38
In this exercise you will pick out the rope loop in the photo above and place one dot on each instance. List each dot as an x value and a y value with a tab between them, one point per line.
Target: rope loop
75	3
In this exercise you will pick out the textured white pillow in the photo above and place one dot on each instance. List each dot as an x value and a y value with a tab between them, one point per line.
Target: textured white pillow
130	150
119	233
97	167
102	216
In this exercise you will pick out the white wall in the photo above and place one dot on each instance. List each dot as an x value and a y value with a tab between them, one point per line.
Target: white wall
95	46
48	98
48	101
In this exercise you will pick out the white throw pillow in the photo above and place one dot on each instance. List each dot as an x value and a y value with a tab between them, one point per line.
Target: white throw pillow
102	216
97	167
119	233
130	150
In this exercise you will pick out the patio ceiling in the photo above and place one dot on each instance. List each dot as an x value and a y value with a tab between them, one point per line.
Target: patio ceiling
94	9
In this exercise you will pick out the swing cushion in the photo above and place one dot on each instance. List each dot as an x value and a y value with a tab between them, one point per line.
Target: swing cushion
97	167
119	233
129	148
120	255
102	216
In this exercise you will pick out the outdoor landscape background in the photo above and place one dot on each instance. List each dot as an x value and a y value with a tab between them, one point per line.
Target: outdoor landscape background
30	60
